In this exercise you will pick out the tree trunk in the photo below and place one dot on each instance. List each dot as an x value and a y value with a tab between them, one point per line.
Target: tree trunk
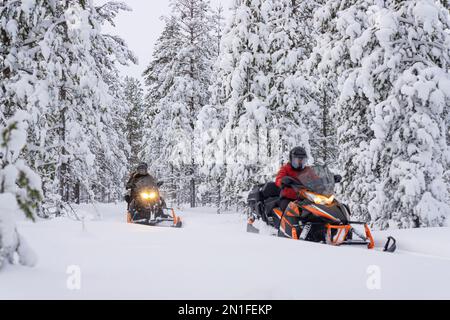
324	129
193	193
219	197
78	193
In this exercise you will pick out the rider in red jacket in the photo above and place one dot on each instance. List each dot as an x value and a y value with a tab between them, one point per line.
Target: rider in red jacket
298	159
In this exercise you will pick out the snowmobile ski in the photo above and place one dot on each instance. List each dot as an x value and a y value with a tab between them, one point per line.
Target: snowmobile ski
174	220
251	228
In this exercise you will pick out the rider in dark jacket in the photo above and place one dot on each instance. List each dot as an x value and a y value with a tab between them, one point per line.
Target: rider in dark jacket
140	172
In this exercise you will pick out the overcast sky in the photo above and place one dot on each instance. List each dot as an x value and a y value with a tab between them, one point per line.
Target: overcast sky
142	27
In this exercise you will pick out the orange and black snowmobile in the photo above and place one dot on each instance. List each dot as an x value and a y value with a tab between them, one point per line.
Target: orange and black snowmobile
147	207
315	216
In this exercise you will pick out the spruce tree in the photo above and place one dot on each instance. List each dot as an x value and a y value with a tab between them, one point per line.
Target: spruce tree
20	190
242	87
391	106
134	97
60	70
177	95
292	91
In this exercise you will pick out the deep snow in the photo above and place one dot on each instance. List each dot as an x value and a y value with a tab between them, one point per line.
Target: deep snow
213	257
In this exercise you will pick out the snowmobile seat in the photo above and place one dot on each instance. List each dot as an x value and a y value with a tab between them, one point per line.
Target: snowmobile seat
271	195
263	199
255	195
270	190
255	200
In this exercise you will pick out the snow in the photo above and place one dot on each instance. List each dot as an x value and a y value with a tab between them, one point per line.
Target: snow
10	240
8	207
213	257
425	12
27	5
12	28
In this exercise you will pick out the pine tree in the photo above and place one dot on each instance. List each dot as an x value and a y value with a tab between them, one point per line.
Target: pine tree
292	93
208	127
134	96
180	93
337	24
112	147
62	77
390	108
20	190
411	81
242	84
158	79
218	24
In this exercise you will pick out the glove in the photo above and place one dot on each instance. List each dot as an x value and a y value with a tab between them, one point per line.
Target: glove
286	181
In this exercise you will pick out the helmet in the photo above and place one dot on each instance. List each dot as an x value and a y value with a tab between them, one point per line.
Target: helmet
298	158
142	168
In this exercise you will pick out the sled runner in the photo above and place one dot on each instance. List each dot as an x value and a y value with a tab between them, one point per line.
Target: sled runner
316	215
170	219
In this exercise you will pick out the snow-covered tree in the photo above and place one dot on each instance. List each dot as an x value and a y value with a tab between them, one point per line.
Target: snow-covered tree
20	190
112	148
58	67
390	61
292	91
134	97
178	94
337	24
405	60
209	123
159	77
218	24
241	89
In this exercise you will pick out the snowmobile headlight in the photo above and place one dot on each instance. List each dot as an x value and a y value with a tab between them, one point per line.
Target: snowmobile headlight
320	199
149	195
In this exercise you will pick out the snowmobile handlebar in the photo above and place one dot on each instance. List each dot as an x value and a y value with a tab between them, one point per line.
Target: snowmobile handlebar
289	182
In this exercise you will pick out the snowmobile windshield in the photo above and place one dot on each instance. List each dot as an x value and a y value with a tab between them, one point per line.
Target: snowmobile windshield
146	182
318	179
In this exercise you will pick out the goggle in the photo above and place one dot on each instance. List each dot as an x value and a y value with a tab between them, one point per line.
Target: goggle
297	162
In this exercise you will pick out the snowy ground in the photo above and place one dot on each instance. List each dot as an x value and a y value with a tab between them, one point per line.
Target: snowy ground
213	257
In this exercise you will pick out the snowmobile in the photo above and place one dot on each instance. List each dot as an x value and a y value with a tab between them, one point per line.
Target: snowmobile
316	215
148	207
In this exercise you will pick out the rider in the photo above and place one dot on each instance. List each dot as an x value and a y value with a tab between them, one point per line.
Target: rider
140	172
298	159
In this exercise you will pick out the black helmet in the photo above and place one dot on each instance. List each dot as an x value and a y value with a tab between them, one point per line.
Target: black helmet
298	158
142	168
